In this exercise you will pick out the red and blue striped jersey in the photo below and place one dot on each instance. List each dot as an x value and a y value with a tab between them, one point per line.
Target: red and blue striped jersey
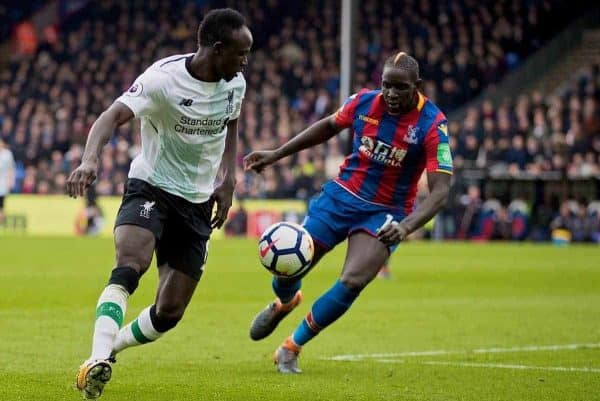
389	153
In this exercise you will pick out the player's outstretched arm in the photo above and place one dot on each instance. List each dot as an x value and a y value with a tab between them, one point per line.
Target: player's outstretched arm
102	129
317	133
439	187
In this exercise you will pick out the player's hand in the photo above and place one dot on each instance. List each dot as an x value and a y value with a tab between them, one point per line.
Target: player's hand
81	178
392	233
223	197
257	161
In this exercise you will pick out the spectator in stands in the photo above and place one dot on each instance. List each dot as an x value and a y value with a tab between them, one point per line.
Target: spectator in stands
90	219
468	213
542	218
502	225
584	224
565	218
517	154
594	216
469	151
237	222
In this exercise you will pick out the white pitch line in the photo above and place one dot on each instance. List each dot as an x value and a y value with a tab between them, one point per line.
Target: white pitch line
494	365
528	348
536	348
508	366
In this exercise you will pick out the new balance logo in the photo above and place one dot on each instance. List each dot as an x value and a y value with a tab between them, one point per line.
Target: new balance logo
186	102
146	209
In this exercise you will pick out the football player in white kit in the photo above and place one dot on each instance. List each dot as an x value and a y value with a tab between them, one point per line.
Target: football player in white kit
188	105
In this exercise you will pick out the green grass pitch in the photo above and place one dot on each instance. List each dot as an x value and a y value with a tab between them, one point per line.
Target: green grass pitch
455	322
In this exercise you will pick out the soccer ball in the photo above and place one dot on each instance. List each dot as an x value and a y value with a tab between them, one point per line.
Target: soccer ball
286	249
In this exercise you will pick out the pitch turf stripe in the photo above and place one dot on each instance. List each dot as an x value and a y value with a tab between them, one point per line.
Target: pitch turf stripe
137	333
510	366
529	348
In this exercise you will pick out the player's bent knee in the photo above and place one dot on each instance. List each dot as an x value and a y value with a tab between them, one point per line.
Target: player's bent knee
136	259
125	276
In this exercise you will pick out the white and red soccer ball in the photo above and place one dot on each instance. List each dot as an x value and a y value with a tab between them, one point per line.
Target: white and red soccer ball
286	249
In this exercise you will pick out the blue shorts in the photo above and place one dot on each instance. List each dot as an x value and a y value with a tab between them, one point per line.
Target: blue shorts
336	213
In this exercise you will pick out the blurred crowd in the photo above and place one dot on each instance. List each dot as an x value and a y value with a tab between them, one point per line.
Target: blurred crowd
535	133
476	217
48	100
14	11
463	46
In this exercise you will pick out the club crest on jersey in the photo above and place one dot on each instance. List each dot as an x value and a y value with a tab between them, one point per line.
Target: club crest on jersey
381	152
411	135
229	108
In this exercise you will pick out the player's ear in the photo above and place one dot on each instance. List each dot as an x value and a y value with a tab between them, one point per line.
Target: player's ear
419	84
218	47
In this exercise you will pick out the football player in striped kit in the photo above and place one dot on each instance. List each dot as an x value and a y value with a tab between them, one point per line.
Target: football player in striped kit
397	134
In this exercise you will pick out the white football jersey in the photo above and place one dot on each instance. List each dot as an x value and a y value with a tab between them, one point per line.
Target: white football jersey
184	125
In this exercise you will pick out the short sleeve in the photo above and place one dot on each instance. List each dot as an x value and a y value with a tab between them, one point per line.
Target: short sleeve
240	93
437	148
146	94
344	117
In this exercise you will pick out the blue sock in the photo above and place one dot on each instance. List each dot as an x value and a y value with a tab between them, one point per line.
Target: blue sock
286	291
326	310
